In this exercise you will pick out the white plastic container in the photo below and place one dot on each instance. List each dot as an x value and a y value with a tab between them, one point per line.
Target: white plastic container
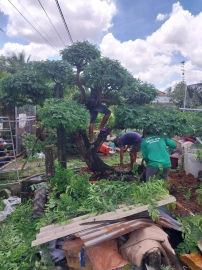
184	148
191	165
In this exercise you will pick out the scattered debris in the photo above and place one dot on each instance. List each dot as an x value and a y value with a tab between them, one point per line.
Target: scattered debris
9	208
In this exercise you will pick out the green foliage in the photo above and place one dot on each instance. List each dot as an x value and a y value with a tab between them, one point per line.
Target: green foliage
3	67
194	119
199	194
162	120
137	92
80	54
178	93
28	141
13	63
61	179
198	156
188	195
25	87
16	233
2	205
68	113
57	70
81	197
191	233
105	73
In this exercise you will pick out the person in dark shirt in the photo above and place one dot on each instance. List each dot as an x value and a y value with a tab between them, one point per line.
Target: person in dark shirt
4	157
130	140
95	106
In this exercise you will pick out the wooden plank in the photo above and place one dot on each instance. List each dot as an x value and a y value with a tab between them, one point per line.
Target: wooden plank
74	227
80	218
54	226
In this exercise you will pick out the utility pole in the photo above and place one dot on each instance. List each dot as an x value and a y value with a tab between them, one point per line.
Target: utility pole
184	83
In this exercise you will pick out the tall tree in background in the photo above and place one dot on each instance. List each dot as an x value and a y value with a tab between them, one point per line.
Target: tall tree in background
15	62
11	64
177	94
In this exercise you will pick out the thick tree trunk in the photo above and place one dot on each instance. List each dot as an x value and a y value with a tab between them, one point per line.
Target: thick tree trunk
89	153
61	142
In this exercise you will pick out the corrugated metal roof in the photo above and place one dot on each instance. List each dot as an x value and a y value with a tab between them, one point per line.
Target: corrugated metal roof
112	231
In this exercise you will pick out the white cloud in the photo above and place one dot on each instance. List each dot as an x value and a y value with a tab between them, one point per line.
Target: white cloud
37	51
152	59
161	17
86	20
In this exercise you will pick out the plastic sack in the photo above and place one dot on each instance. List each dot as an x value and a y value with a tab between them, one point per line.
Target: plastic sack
9	208
40	155
105	256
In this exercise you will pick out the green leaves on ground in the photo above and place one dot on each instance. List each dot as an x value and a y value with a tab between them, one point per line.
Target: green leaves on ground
68	113
81	197
192	233
16	234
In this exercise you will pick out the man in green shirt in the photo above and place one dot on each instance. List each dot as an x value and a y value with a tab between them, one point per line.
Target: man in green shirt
156	155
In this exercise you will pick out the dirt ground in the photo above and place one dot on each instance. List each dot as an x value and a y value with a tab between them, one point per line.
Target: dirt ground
183	188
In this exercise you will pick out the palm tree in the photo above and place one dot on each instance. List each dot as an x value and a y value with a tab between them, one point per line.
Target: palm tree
15	62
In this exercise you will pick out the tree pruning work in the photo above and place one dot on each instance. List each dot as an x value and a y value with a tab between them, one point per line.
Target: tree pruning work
81	69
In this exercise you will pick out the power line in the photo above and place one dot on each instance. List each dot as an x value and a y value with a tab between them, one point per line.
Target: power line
36	23
51	22
61	14
31	25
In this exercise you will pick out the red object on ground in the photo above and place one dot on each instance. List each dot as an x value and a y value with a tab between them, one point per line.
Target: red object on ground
104	149
174	162
189	139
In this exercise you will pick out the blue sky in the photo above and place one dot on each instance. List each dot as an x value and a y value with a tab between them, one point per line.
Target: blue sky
149	37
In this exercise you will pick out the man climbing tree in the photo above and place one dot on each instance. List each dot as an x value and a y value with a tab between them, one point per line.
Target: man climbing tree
95	106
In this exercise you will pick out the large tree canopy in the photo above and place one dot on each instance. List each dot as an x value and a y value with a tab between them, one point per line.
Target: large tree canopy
59	71
80	54
25	87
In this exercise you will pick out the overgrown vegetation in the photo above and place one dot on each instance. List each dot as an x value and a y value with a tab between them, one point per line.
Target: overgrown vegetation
16	233
70	195
192	233
28	141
